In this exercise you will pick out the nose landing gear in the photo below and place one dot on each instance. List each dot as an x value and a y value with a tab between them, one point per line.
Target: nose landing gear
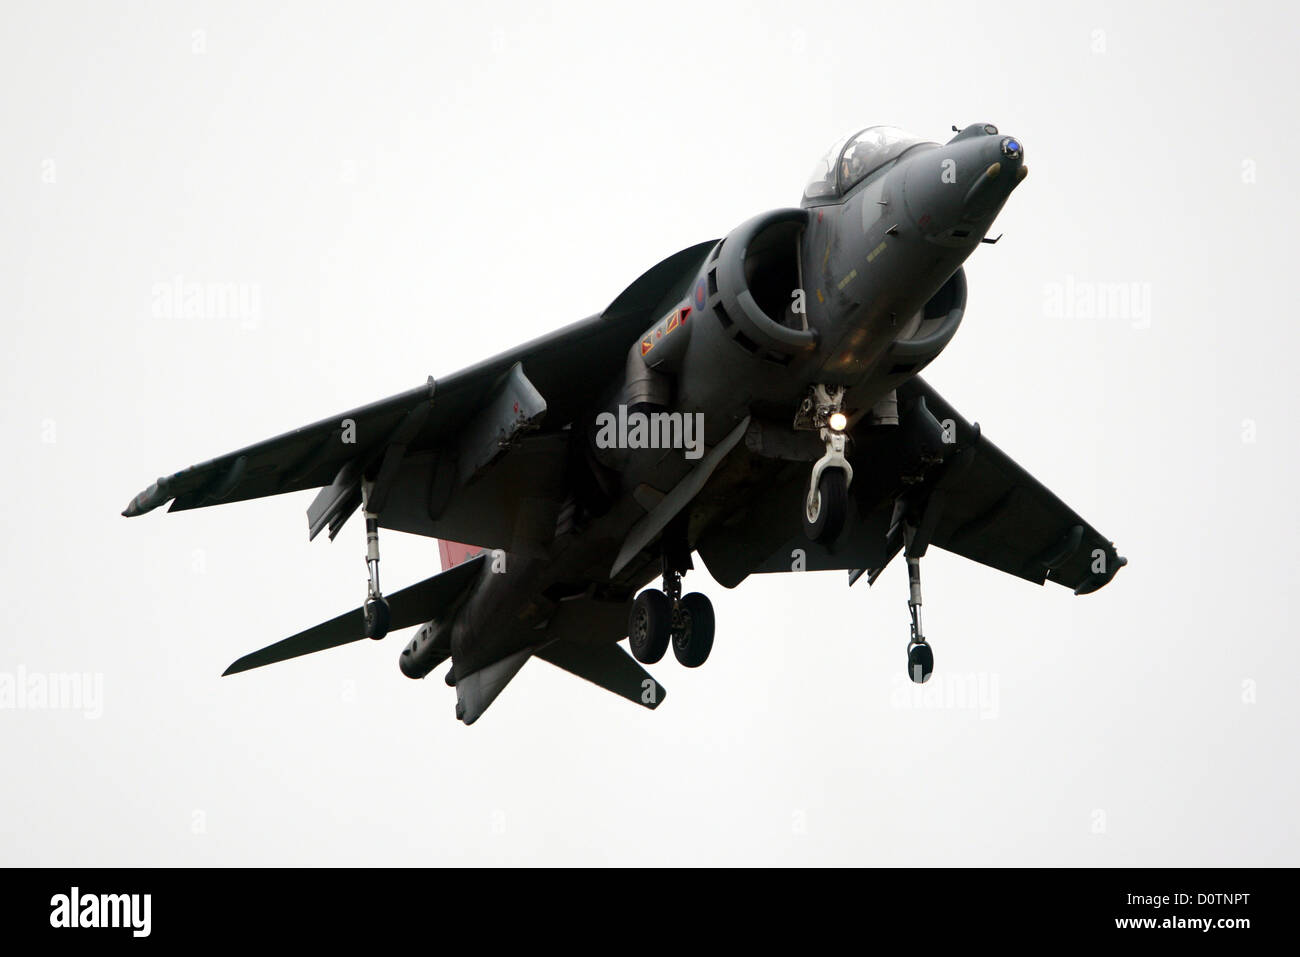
827	501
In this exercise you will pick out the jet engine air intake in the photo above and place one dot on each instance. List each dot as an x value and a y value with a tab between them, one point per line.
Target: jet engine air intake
930	329
751	277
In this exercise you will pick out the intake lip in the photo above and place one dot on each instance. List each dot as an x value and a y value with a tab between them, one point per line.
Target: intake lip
727	277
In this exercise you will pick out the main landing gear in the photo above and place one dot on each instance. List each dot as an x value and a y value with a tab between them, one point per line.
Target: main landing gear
660	617
376	613
826	503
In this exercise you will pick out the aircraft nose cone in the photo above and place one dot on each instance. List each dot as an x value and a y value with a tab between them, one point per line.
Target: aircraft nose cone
956	190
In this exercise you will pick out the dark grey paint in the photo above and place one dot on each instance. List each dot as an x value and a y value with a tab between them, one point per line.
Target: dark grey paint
502	454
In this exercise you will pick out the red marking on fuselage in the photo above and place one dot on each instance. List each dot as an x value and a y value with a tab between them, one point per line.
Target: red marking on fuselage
455	553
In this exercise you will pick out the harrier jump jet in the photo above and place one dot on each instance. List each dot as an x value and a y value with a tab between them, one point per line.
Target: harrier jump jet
753	400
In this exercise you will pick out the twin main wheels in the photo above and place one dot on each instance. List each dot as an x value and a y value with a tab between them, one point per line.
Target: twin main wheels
653	624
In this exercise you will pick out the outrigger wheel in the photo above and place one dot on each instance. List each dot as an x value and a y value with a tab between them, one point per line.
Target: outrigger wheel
378	618
920	662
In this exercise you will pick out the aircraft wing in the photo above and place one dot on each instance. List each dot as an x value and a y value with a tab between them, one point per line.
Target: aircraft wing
555	372
308	457
978	503
989	509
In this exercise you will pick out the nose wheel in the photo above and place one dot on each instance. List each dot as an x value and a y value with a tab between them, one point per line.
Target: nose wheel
826	506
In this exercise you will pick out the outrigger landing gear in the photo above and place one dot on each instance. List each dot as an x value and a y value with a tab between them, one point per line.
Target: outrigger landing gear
375	610
662	616
826	504
920	656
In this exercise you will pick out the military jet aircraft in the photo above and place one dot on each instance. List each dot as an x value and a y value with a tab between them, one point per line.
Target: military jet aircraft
753	400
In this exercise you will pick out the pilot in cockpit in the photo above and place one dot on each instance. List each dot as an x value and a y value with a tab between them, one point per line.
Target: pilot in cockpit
852	159
867	151
854	164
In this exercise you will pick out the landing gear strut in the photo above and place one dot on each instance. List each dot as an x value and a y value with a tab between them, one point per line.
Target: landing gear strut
662	616
920	656
375	610
827	500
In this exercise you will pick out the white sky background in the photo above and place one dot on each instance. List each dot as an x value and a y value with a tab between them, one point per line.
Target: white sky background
410	190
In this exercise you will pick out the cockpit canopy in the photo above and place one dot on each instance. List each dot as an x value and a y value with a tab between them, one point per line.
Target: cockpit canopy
852	159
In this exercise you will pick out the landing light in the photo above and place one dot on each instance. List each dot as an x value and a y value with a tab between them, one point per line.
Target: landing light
838	421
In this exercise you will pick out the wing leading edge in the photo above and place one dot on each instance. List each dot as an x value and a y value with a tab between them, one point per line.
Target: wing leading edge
561	366
992	511
977	502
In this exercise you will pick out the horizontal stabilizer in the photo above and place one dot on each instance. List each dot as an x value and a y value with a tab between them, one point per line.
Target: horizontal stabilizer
413	605
475	692
607	665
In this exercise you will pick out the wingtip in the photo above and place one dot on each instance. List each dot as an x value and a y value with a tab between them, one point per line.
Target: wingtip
155	495
1102	579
